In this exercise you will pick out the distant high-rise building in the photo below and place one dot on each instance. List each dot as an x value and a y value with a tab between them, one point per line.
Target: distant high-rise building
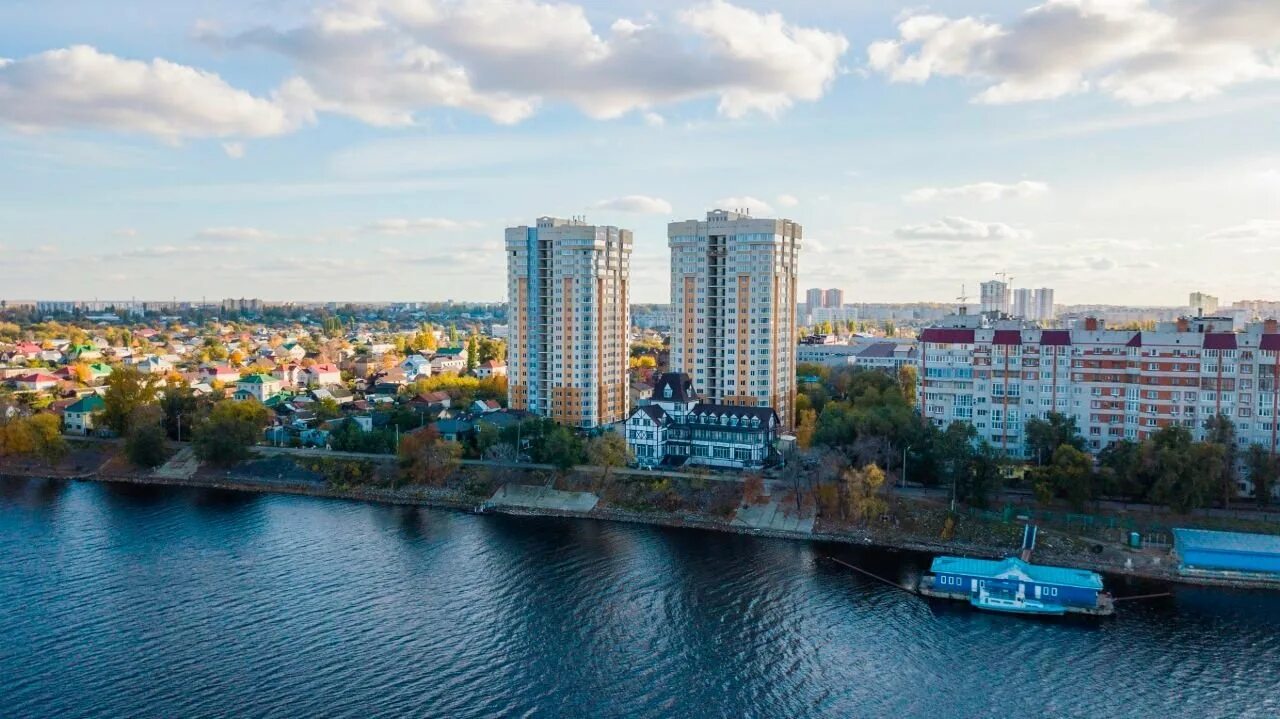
995	296
1045	311
569	314
833	297
1203	303
815	299
733	303
1024	303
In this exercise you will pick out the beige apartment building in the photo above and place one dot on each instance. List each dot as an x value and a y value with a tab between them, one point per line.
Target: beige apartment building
567	285
733	303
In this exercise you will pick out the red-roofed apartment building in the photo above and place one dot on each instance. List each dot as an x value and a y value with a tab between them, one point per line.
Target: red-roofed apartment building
1117	384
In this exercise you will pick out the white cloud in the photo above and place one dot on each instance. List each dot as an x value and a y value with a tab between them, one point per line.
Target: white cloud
981	191
1137	51
636	203
1251	230
754	205
234	234
403	226
384	61
234	150
785	200
82	87
959	228
653	119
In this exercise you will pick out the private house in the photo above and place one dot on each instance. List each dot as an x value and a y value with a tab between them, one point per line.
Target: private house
291	350
415	366
35	382
675	427
289	373
484	406
258	386
491	368
77	418
219	373
449	359
27	351
454	430
320	375
154	365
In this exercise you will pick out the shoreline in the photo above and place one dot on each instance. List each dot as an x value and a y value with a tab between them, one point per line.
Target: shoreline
446	500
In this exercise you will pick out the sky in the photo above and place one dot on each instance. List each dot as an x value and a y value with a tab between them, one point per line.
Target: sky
1119	151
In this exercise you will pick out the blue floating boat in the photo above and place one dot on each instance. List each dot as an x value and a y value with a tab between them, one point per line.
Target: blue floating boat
1014	586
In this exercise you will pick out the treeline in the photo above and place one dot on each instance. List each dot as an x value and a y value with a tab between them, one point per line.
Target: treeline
1169	467
868	417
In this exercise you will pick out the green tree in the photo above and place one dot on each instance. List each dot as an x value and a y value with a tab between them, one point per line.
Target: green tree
562	448
1221	431
179	405
144	445
608	450
1185	473
473	354
230	431
1263	471
127	390
1069	474
1045	436
1121	471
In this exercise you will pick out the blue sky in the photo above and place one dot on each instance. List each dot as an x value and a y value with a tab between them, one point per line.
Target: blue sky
1120	151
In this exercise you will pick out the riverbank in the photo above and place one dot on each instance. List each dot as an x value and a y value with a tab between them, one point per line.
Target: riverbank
1161	569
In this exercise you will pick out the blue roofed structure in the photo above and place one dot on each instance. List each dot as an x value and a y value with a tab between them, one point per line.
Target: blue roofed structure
1207	552
1012	567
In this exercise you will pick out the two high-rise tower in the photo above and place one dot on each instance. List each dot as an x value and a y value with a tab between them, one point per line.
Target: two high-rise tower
733	303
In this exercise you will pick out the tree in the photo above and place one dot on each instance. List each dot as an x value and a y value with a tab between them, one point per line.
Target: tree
1185	473
231	429
473	354
46	432
127	390
806	426
179	405
144	445
862	492
426	458
982	477
1070	474
1263	471
1220	430
907	377
752	489
1045	436
1121	470
609	450
562	448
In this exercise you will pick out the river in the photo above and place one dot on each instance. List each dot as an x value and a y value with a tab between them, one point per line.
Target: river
124	601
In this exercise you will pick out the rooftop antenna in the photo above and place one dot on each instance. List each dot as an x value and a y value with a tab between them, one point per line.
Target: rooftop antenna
964	301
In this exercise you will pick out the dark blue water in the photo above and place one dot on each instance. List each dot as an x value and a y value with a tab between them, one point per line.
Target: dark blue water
151	602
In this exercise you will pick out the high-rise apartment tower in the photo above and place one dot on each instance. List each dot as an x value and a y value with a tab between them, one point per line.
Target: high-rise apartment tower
568	290
733	303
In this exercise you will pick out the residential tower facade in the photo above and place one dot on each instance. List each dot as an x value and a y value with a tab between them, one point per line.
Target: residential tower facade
568	292
733	298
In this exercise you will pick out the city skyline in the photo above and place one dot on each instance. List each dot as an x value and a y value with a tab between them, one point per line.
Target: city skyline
158	150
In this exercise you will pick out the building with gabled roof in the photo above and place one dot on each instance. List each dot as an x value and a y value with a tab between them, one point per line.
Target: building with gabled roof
675	427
